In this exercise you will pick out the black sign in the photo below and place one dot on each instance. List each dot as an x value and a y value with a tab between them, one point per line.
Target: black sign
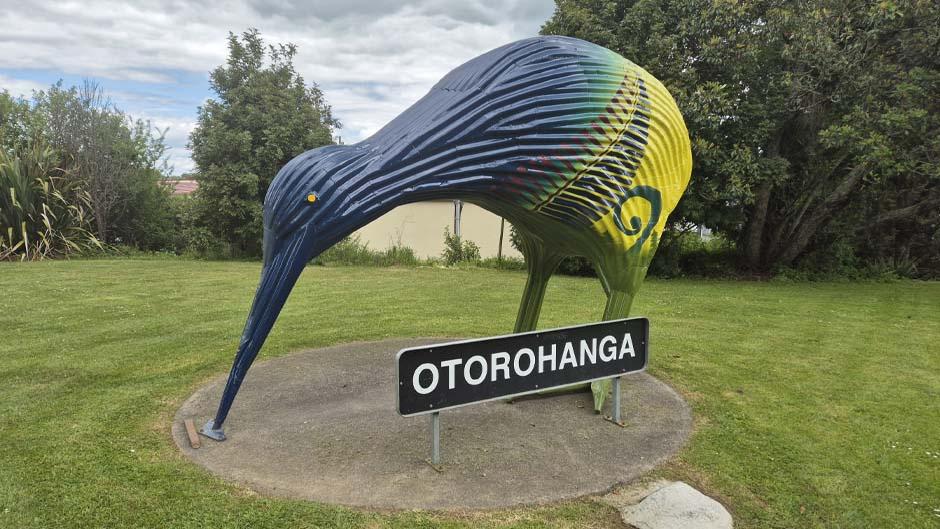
436	377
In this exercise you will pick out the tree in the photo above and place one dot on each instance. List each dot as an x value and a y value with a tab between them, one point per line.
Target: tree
264	115
147	219
14	123
802	113
108	167
112	156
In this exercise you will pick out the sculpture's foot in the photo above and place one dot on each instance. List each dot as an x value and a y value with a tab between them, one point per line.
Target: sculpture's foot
216	434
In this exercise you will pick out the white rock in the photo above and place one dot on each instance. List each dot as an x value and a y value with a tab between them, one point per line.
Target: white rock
677	506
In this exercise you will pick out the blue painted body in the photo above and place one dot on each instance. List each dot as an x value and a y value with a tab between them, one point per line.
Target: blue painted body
509	130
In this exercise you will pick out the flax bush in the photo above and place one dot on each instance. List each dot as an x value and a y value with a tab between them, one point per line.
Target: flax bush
43	213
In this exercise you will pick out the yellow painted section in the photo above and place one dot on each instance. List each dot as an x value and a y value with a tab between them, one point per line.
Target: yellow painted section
666	166
667	163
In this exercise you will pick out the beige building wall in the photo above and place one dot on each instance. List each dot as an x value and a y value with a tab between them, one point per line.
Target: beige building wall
420	226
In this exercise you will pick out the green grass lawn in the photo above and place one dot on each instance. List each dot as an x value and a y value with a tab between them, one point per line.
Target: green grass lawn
816	405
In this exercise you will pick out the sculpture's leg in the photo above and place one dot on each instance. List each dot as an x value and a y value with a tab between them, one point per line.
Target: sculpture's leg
541	263
620	286
618	306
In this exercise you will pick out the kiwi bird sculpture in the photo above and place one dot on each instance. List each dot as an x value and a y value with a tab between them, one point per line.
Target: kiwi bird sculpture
584	152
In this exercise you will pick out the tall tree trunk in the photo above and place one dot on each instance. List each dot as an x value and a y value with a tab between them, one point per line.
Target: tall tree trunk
820	216
755	247
101	222
755	234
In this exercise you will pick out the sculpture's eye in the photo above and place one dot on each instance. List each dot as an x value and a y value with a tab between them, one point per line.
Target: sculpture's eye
311	198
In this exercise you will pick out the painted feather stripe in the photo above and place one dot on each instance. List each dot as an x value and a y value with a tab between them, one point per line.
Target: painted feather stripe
599	156
587	192
589	197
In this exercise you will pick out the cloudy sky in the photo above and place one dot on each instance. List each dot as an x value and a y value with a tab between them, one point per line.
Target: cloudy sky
372	58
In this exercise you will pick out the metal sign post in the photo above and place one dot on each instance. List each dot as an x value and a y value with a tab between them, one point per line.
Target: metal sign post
436	377
435	460
615	405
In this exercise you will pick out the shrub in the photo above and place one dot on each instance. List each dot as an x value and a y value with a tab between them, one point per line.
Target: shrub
201	242
902	266
398	255
837	260
457	250
688	254
151	219
576	265
504	263
351	251
43	214
713	257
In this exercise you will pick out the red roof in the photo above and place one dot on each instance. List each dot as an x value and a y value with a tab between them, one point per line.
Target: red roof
182	187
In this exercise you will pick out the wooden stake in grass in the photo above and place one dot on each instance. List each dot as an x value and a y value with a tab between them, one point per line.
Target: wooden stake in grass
191	433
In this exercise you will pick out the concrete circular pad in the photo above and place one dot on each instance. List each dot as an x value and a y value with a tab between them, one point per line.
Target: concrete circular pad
322	425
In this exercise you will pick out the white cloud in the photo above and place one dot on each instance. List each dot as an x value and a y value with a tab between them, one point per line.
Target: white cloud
19	87
372	58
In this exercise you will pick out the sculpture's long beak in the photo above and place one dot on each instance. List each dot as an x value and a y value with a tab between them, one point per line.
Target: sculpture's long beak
284	260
